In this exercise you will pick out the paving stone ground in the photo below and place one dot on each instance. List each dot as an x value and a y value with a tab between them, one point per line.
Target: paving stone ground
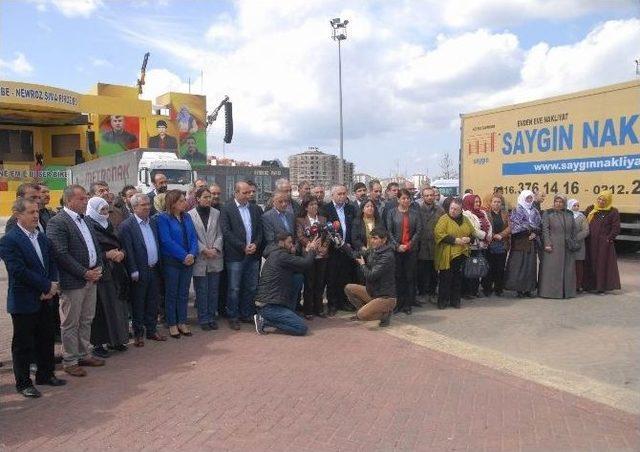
346	386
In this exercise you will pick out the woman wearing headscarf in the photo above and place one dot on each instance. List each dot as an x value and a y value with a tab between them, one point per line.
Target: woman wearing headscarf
558	268
582	231
601	262
522	265
496	254
482	231
111	321
452	234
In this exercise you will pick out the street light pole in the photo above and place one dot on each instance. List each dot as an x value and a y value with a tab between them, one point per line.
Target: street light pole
340	34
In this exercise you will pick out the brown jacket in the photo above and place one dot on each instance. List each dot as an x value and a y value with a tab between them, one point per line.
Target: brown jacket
303	240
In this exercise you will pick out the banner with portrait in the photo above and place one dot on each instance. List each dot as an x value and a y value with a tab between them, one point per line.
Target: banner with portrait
188	113
118	133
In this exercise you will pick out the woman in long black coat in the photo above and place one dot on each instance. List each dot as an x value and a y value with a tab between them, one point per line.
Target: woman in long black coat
111	322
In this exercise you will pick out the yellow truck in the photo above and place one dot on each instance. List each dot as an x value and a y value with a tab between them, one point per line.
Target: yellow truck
576	144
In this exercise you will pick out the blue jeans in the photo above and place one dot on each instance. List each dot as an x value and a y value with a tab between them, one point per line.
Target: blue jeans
242	277
176	293
297	282
284	319
207	296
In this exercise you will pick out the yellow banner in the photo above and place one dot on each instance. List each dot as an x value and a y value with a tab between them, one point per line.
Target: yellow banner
39	95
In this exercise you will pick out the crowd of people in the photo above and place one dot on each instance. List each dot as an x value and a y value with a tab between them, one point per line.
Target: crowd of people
108	267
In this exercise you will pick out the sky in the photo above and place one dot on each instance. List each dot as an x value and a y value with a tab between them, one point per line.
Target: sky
409	68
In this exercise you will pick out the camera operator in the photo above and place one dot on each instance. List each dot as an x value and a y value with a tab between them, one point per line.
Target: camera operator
274	288
376	300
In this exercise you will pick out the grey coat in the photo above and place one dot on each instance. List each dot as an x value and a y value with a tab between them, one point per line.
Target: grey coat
557	269
582	228
72	255
429	217
209	238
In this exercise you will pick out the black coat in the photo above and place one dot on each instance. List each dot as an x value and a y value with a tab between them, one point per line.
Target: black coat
234	233
277	273
359	233
380	273
394	226
329	212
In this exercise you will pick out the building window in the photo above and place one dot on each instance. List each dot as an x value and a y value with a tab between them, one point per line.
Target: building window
65	145
16	145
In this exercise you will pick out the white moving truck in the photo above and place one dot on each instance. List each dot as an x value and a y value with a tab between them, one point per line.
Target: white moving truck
135	167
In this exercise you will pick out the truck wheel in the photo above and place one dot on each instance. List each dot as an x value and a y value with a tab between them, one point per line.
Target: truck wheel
627	247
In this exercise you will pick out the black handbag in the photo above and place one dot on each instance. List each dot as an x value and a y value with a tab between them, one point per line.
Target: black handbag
570	242
475	267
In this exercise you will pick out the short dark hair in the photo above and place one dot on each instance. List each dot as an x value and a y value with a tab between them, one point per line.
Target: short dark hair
156	174
302	183
404	192
374	182
251	183
200	191
69	191
282	236
21	204
171	198
358	185
98	183
379	232
161	123
392	184
304	207
125	189
21	191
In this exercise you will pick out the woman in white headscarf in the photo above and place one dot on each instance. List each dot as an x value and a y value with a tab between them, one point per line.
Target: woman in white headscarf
582	228
110	325
522	266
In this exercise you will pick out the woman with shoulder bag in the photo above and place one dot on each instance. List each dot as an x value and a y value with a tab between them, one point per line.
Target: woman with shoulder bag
452	235
498	247
482	233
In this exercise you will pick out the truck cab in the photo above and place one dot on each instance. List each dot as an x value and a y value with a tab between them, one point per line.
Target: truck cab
178	171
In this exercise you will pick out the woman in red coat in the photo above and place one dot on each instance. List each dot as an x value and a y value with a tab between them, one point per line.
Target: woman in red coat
601	262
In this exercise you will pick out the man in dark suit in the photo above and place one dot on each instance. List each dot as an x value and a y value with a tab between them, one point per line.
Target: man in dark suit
159	182
28	256
242	232
360	192
80	267
139	237
44	212
162	140
277	221
340	266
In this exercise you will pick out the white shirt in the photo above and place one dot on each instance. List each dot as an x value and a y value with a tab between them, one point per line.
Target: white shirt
86	235
342	218
246	219
33	238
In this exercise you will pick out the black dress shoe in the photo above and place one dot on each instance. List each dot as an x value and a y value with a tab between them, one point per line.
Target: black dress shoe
213	324
100	352
52	381
246	320
30	392
234	325
407	311
417	304
118	348
385	320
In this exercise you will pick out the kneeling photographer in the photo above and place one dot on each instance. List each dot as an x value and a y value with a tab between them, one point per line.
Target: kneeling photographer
377	298
274	288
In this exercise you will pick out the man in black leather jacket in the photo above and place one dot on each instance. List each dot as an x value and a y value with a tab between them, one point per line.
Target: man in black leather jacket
273	299
376	300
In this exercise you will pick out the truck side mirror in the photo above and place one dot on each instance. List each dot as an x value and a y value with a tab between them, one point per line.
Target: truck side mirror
143	176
